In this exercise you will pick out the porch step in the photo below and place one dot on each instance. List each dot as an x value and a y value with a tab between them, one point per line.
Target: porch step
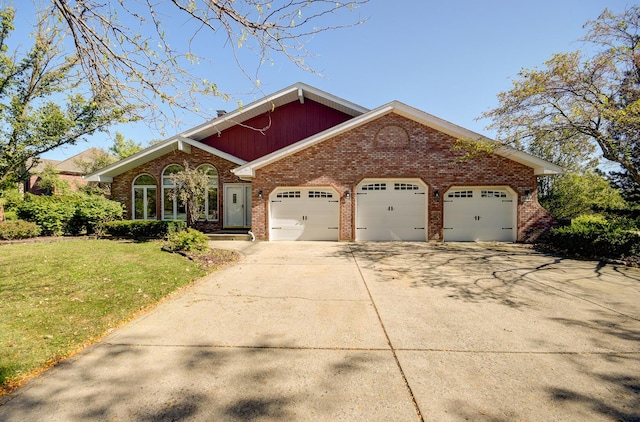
229	235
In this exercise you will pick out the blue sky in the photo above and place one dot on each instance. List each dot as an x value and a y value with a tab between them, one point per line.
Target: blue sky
449	58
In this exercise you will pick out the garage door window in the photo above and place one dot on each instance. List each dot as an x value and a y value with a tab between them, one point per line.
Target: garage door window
405	186
374	186
493	194
461	194
289	194
320	194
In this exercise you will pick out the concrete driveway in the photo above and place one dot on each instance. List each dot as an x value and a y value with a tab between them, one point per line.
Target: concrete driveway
367	331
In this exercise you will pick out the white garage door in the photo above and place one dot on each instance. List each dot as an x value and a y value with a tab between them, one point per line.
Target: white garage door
391	210
304	214
479	214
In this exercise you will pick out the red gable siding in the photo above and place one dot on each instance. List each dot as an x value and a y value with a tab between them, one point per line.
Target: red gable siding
290	123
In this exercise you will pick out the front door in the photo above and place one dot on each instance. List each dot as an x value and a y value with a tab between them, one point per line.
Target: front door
237	205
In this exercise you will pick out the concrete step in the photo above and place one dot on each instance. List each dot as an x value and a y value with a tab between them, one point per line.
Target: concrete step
229	236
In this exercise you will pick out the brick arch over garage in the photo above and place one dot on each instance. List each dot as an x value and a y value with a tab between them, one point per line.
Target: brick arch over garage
348	158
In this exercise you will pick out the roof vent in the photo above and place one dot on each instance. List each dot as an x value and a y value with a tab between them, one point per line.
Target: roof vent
221	112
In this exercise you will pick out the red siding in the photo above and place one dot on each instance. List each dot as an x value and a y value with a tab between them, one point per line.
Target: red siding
283	126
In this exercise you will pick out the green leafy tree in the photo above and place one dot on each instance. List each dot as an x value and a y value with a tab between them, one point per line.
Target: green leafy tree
146	52
50	182
98	159
580	104
123	148
574	194
190	187
42	101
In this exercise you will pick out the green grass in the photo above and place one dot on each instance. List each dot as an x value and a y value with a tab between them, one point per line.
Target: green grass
55	298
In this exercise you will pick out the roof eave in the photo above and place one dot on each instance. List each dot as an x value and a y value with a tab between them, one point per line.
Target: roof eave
176	143
541	167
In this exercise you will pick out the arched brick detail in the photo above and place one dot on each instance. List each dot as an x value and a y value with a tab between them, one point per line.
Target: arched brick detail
352	156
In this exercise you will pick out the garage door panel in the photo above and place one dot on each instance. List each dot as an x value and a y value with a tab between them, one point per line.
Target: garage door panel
479	214
389	210
305	214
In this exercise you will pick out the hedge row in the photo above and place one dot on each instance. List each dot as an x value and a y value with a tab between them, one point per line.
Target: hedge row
68	214
18	229
142	228
594	236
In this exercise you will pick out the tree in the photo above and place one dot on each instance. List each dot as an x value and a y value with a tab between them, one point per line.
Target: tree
574	194
190	187
98	159
42	103
50	182
578	105
147	52
123	148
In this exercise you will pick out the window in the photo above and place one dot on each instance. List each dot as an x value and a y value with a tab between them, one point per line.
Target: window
144	197
405	186
290	194
210	211
493	194
461	194
320	194
171	208
374	186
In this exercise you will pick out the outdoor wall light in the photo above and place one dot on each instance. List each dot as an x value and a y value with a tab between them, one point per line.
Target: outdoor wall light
528	196
436	194
347	194
260	194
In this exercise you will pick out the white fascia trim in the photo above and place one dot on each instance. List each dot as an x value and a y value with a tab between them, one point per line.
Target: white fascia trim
175	143
540	166
211	150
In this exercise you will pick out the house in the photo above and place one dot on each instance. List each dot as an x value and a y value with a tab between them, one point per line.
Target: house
68	170
303	164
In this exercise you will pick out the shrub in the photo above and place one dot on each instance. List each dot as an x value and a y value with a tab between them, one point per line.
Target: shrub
188	240
595	236
18	229
138	229
51	213
68	214
91	210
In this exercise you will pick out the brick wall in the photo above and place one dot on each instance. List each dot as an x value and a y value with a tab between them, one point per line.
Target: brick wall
423	153
122	184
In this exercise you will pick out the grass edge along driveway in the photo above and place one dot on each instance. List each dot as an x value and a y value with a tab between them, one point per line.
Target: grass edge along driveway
57	298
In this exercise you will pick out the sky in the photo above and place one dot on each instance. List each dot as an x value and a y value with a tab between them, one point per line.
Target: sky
449	58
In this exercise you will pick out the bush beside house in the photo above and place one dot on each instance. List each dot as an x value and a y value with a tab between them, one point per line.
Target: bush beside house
594	236
71	214
137	229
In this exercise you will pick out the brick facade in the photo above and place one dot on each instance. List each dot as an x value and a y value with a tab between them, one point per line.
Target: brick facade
370	151
121	188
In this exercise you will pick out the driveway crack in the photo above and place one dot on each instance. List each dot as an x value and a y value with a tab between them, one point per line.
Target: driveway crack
386	334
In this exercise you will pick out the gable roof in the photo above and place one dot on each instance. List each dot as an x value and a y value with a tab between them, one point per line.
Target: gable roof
296	92
177	143
540	167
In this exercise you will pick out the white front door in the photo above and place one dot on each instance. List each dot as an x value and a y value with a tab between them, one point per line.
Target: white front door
237	205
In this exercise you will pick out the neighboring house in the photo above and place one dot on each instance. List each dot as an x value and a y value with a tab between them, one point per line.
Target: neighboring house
303	164
68	170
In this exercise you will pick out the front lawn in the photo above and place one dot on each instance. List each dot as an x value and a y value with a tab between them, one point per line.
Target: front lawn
56	298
